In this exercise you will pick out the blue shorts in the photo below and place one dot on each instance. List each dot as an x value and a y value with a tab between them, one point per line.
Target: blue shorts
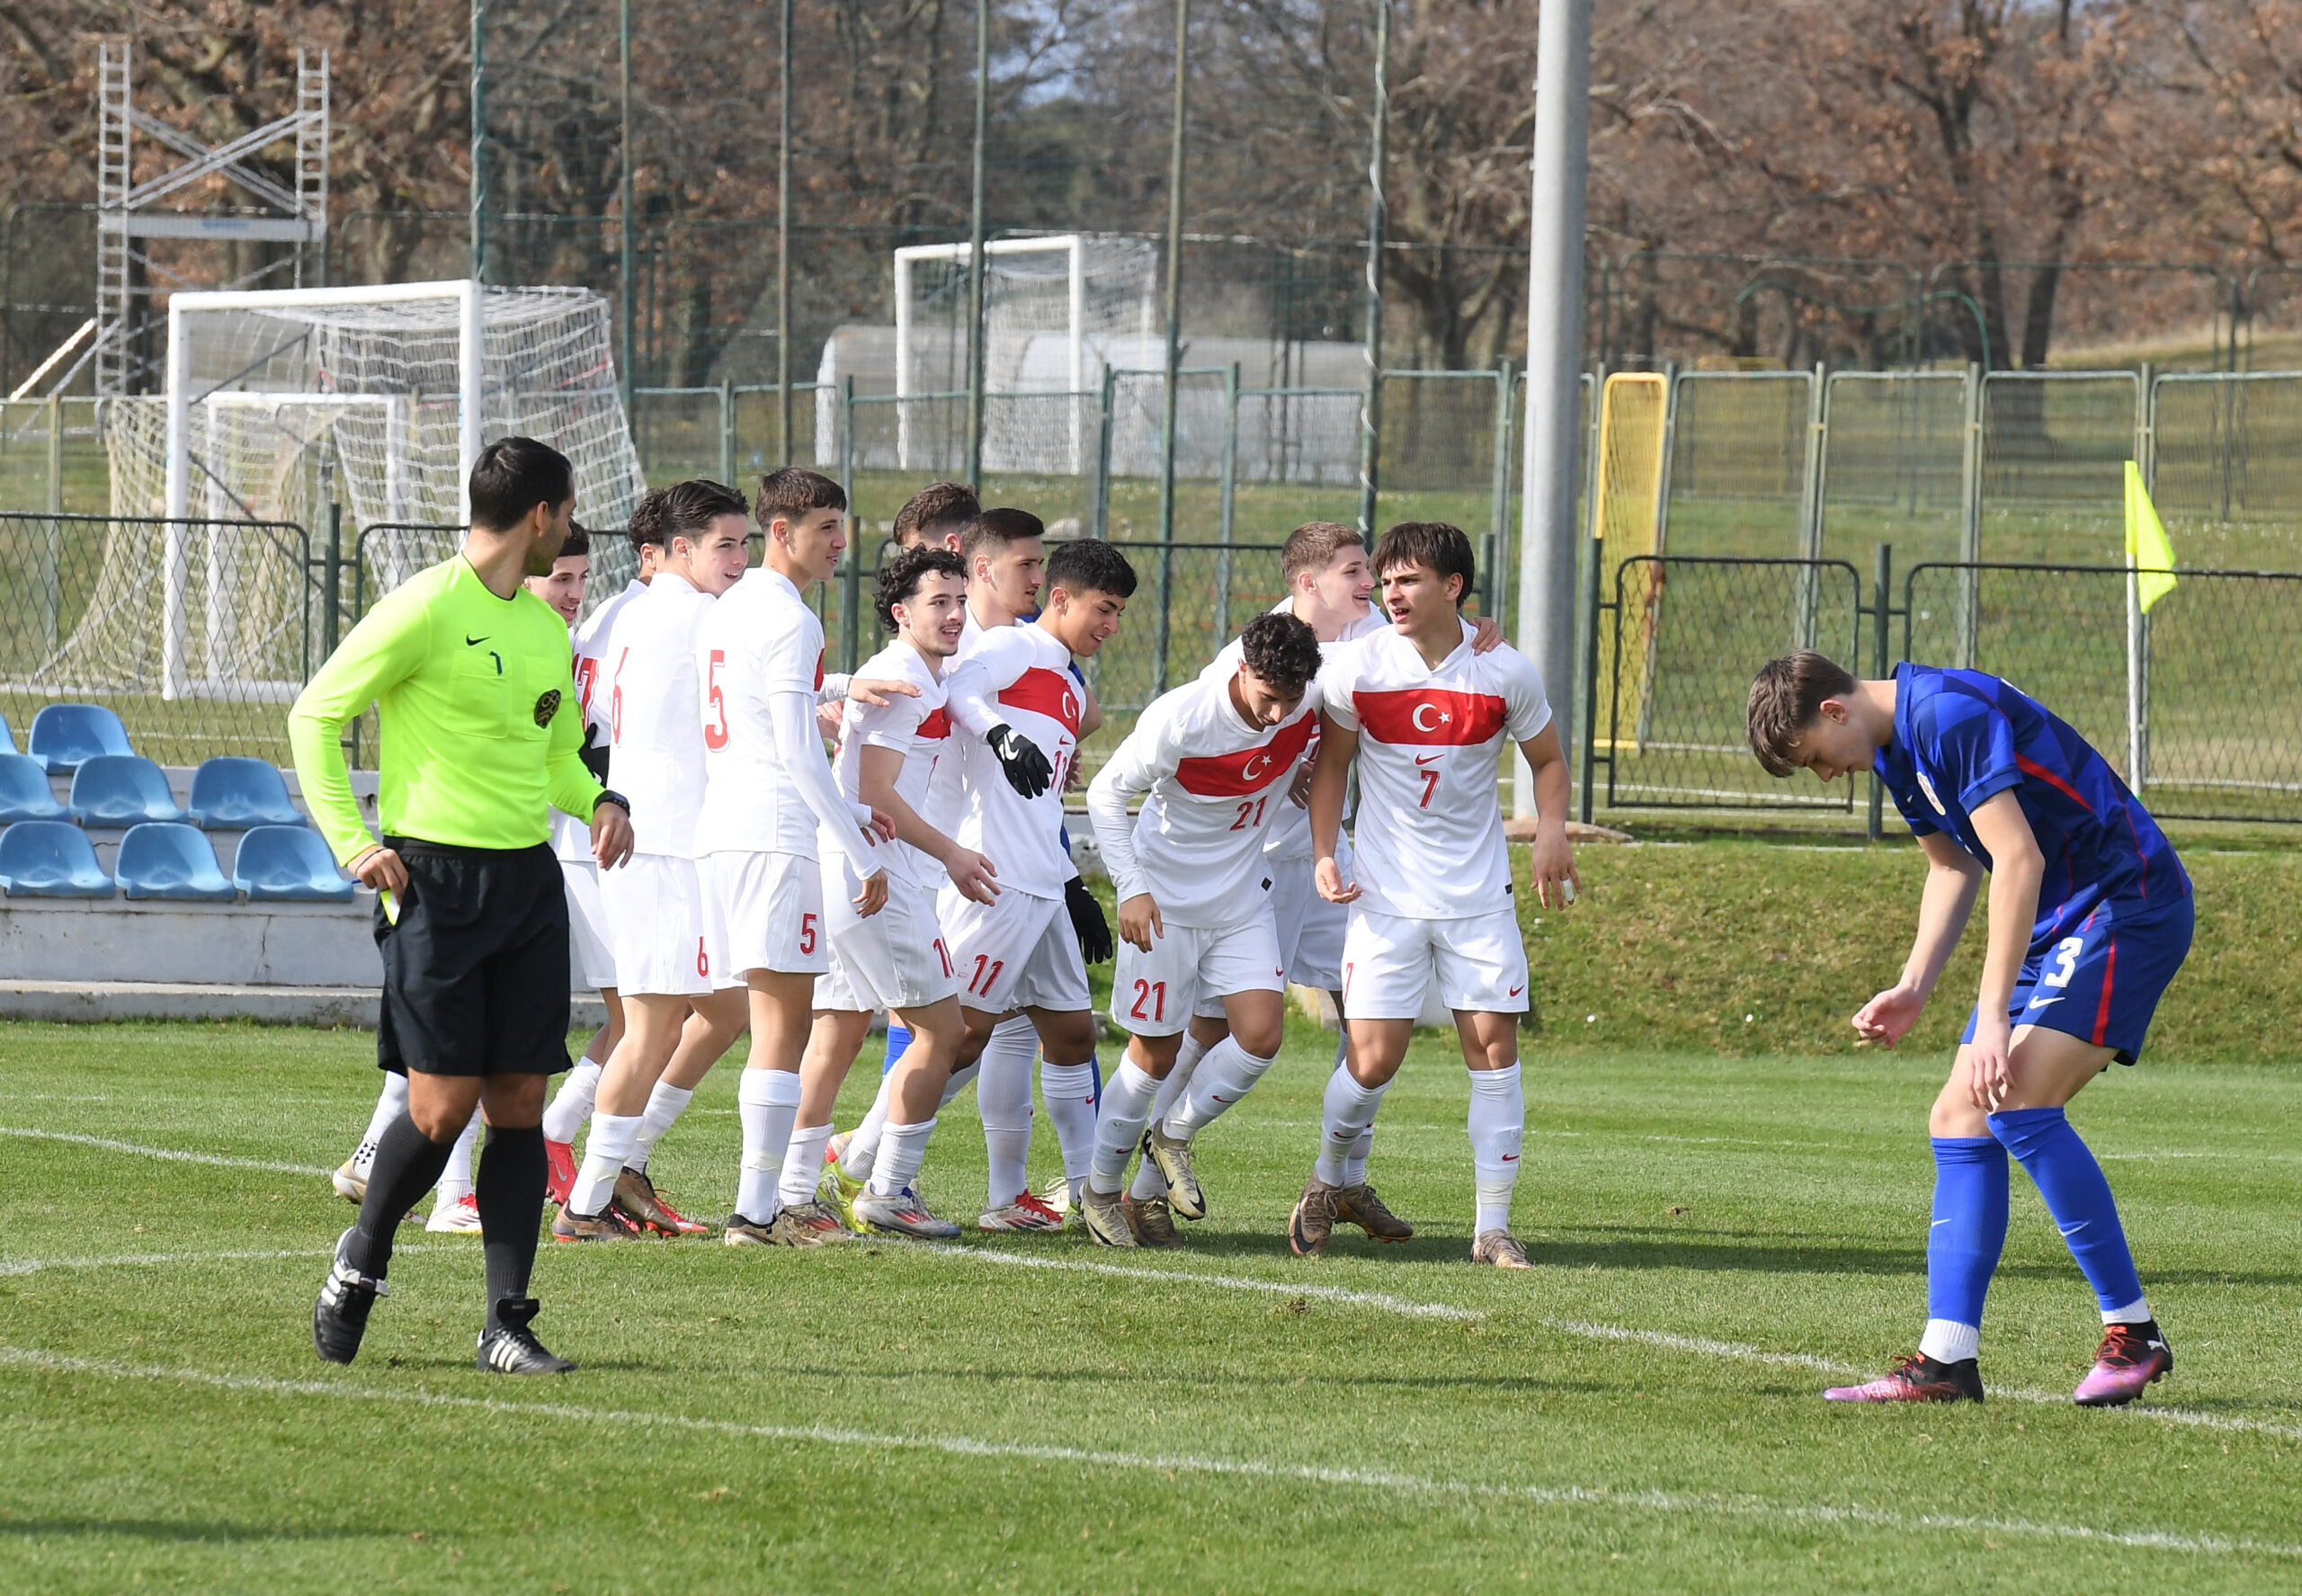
2102	984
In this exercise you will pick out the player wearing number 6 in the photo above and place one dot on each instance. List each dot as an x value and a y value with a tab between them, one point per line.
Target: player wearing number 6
1424	716
1212	760
2089	918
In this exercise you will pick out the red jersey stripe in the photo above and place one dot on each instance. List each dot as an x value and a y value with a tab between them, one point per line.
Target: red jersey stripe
1249	770
938	725
1051	694
2031	767
1430	717
2110	974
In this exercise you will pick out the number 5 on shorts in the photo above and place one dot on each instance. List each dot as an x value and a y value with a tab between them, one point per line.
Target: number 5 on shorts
806	933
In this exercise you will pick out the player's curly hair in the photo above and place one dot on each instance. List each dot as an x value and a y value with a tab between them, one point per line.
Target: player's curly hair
1089	564
647	521
794	491
1786	699
1281	650
691	507
1431	544
901	573
938	507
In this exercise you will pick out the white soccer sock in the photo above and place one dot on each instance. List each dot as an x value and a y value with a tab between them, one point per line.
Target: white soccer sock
664	1104
768	1099
1946	1341
1355	1163
571	1105
391	1102
603	1157
1002	1096
1227	1074
1148	1181
961	1079
1498	1124
1349	1108
803	1164
2136	1312
901	1152
1118	1123
1069	1090
857	1158
455	1181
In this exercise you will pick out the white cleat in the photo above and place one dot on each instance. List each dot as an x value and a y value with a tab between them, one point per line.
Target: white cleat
1026	1213
900	1214
458	1217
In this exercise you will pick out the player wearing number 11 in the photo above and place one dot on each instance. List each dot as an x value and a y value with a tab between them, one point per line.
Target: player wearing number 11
1424	715
2089	918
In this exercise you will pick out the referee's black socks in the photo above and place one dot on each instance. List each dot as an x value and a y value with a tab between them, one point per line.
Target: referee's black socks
509	1190
407	1165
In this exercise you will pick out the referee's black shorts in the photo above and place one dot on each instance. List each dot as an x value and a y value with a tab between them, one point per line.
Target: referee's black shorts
476	979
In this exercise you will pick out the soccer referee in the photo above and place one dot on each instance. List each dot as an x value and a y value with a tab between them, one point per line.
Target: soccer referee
480	731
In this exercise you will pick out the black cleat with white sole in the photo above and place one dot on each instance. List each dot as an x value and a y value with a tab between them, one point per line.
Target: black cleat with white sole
340	1316
512	1348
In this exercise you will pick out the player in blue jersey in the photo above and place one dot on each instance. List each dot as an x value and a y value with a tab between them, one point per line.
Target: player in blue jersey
2089	918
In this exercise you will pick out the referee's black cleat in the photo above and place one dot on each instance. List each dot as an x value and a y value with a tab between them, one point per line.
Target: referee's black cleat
512	1348
340	1317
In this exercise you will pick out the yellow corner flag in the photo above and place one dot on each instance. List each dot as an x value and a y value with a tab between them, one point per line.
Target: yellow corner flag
2147	552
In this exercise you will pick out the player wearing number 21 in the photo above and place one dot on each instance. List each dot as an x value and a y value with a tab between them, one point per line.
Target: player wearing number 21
1423	716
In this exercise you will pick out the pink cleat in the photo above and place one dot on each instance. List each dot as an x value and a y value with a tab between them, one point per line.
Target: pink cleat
2131	1356
559	1171
1916	1379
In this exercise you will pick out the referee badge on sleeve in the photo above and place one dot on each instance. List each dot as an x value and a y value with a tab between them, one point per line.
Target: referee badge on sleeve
547	707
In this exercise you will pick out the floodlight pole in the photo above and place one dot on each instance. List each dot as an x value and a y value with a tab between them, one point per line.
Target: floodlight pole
479	136
975	245
623	203
1370	407
784	233
1548	539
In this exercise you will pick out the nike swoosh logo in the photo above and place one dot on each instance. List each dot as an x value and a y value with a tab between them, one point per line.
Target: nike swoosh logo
1515	991
475	642
1425	759
2040	1003
1509	1158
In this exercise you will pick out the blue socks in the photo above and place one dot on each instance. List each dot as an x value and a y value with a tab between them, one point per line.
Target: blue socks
1970	1228
2076	1193
899	1039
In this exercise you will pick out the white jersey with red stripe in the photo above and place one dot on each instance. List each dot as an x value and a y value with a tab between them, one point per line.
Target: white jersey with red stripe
1018	676
655	739
1213	784
571	838
1288	834
919	729
1430	835
761	639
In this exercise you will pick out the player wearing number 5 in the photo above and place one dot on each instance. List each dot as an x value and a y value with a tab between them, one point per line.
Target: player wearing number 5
2090	917
1424	716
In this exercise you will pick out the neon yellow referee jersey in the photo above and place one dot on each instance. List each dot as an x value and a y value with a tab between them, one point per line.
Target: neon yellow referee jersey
479	725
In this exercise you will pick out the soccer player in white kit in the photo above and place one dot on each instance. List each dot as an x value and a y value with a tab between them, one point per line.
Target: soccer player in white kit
768	790
1425	717
666	959
897	959
1210	760
1023	711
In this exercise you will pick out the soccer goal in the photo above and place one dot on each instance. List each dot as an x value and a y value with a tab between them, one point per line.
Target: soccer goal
1050	309
281	403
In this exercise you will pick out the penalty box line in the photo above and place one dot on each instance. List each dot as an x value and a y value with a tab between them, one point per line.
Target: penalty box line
1662	1502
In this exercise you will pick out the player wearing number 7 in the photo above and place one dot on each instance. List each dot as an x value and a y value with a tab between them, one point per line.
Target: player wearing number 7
1424	716
1210	761
2089	918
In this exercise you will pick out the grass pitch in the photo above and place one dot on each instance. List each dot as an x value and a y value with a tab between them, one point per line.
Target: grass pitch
1715	1240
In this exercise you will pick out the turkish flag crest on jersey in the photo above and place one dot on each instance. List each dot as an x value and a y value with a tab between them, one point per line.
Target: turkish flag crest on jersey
1051	694
1249	770
1431	717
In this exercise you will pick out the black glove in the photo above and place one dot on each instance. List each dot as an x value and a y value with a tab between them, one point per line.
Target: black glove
595	755
1020	760
1087	921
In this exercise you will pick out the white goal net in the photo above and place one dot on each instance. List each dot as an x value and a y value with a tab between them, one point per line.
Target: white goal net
282	404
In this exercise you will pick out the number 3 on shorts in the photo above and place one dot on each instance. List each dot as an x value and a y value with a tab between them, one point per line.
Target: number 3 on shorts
806	933
2066	956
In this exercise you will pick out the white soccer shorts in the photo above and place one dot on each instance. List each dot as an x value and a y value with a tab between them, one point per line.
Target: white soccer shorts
894	959
587	924
1016	952
1310	929
768	909
665	943
1389	963
1156	993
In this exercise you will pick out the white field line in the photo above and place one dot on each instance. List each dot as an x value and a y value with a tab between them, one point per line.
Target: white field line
1666	1503
173	1155
32	1266
1379	1301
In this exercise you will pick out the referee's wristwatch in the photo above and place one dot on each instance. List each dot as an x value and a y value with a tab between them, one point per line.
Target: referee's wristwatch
609	795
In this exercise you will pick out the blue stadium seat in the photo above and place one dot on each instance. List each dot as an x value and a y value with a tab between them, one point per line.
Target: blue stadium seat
287	862
8	734
229	794
24	791
165	859
122	790
66	736
50	859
